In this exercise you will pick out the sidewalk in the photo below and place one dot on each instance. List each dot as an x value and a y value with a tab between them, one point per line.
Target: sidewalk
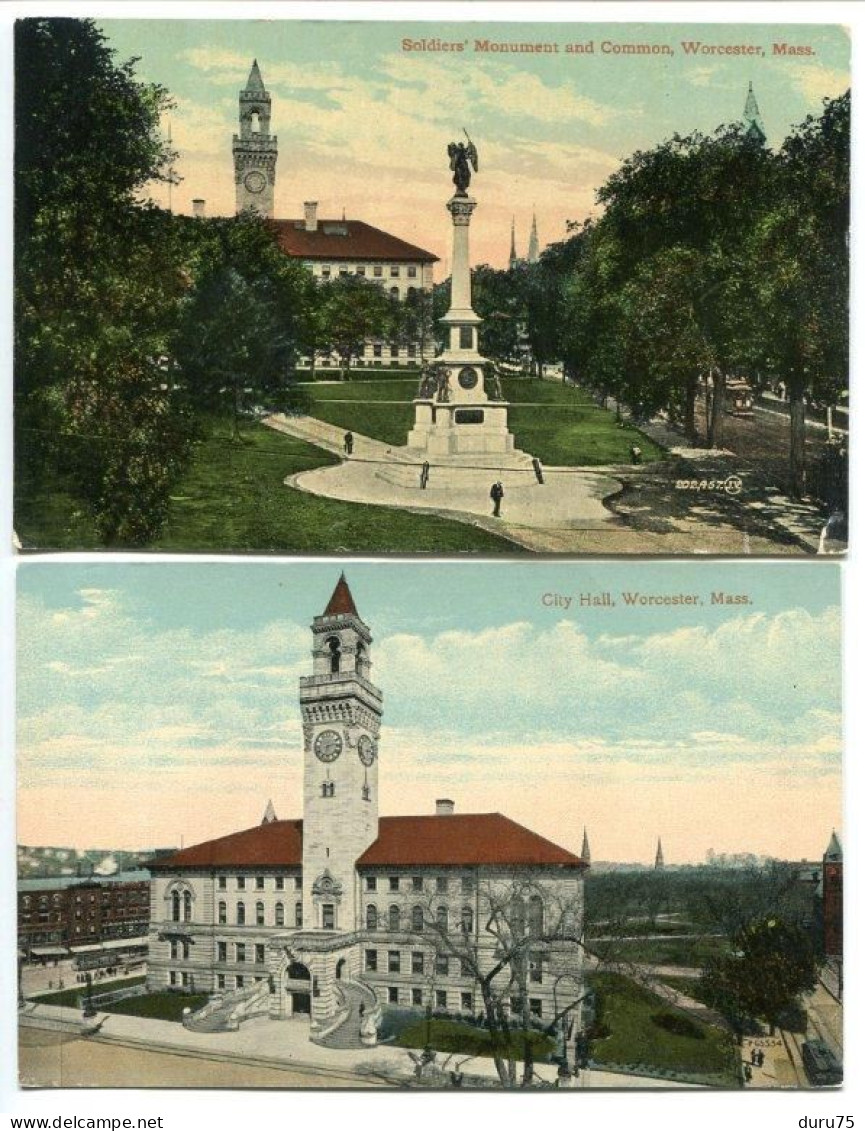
264	1042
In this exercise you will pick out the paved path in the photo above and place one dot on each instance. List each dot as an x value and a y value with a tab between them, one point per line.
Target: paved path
549	516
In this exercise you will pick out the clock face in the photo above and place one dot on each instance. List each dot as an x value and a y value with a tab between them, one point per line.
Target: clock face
468	378
366	750
254	181
328	746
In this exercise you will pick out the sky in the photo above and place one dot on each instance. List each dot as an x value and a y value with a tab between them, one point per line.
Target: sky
157	702
363	124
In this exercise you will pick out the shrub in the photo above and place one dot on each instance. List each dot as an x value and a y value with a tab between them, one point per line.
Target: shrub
679	1024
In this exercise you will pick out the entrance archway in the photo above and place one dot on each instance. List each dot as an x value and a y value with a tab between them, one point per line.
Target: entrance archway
298	985
340	968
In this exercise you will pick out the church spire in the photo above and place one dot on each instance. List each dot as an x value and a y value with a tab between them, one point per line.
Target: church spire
512	261
586	852
534	247
754	128
659	857
269	814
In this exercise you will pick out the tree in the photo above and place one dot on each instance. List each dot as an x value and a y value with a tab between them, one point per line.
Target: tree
98	282
773	963
355	309
511	931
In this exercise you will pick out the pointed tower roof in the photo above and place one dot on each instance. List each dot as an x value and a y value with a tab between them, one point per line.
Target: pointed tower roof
255	81
833	851
585	851
534	245
341	602
512	261
754	127
269	814
659	855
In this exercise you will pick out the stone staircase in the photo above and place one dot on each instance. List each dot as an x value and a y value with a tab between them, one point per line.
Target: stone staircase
224	1012
345	1030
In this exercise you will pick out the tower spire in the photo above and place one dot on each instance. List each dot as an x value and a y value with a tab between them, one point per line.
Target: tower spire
534	247
254	148
754	128
341	602
512	261
586	852
659	857
255	81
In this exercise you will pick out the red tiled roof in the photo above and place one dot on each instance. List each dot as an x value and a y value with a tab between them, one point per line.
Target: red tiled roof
341	602
360	241
463	839
276	844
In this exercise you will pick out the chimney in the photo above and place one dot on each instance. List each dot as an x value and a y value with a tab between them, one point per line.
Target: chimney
444	807
310	221
198	208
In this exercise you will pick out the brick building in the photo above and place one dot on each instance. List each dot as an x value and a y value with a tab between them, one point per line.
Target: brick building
344	909
58	915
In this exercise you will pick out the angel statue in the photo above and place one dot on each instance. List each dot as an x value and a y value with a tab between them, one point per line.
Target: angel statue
464	158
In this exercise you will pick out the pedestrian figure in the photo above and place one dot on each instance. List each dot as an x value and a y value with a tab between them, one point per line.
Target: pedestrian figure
753	1055
636	454
539	471
348	443
761	1056
497	493
748	1071
424	475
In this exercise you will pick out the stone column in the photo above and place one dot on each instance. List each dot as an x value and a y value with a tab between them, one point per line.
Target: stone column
461	208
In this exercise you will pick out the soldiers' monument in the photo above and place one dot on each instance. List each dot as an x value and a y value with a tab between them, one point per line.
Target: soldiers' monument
457	418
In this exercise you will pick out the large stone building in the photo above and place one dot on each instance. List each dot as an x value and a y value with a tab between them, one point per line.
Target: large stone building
330	248
344	908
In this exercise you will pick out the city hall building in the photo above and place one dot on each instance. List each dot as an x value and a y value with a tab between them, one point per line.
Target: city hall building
342	910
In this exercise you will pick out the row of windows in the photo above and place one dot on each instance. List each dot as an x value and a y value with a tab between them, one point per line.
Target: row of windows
443	964
418	919
107	898
443	884
444	999
260	918
257	882
376	270
241	950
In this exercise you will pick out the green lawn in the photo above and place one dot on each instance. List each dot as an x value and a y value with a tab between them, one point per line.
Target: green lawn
232	498
663	952
161	1006
456	1036
637	1039
560	424
74	994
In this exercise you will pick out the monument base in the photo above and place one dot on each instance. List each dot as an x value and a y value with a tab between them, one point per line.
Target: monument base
458	429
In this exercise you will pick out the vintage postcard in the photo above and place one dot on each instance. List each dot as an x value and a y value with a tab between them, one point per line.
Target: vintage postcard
320	287
440	826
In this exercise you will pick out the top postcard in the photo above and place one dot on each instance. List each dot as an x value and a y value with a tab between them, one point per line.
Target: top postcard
322	287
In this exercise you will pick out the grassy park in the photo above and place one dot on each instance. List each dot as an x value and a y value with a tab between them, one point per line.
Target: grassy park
74	995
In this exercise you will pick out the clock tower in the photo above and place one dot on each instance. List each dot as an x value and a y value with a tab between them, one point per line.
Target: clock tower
254	150
341	712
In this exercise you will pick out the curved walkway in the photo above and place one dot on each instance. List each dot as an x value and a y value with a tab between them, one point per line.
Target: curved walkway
547	517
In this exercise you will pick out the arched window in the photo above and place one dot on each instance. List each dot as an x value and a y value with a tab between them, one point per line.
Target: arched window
518	917
393	917
222	912
187	907
411	292
335	653
279	915
394	292
298	914
259	914
359	658
241	914
442	918
371	917
175	906
467	920
255	122
417	918
536	916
